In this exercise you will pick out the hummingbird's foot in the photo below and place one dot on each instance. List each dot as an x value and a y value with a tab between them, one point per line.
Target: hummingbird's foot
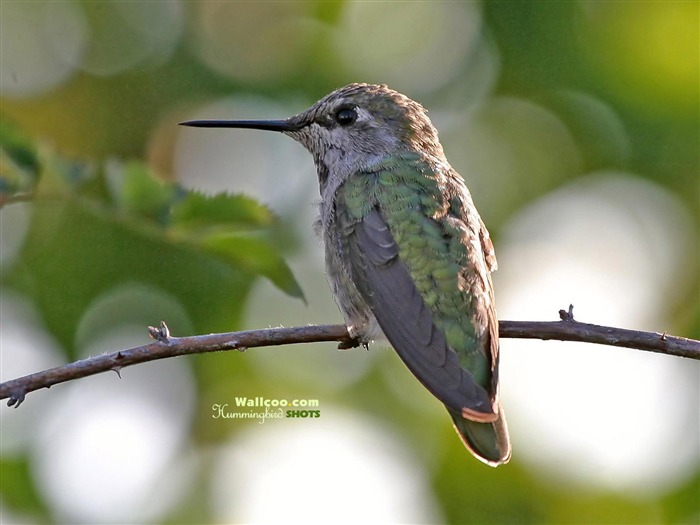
353	343
349	343
356	338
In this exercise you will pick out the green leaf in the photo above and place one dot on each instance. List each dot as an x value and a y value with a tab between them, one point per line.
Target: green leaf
102	226
18	149
255	255
140	193
19	162
197	210
18	489
73	255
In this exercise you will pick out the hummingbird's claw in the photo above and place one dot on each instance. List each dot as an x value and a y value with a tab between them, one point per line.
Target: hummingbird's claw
350	343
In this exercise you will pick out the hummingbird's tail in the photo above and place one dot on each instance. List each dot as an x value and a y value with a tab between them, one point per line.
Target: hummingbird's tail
489	442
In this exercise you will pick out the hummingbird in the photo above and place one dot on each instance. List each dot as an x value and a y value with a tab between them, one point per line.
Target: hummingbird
408	258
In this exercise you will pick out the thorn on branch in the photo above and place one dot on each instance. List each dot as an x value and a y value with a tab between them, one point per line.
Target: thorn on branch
17	398
663	336
568	316
161	333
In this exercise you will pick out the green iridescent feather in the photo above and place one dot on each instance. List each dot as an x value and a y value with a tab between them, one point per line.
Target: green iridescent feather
407	193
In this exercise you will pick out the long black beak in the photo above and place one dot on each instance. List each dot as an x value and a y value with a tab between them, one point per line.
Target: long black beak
269	125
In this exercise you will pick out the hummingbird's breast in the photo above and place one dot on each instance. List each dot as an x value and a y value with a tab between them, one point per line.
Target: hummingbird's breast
358	316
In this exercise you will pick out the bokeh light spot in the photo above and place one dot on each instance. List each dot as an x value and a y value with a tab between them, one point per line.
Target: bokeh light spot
122	34
510	150
311	471
32	61
251	41
108	442
611	245
416	48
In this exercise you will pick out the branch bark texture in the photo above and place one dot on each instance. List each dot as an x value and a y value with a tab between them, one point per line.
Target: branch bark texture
166	346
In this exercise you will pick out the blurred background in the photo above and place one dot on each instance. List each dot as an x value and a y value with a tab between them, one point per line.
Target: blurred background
575	126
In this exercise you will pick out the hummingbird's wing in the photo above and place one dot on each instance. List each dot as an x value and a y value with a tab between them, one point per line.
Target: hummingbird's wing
492	266
414	247
387	285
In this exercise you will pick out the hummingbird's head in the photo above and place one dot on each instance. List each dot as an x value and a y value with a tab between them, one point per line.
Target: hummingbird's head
360	124
353	128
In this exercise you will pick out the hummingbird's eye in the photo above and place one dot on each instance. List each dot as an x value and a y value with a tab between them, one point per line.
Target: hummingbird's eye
345	116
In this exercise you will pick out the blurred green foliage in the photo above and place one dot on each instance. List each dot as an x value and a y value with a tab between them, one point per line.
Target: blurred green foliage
96	226
100	219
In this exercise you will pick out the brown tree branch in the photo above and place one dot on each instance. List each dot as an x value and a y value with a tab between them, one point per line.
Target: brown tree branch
168	346
7	198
